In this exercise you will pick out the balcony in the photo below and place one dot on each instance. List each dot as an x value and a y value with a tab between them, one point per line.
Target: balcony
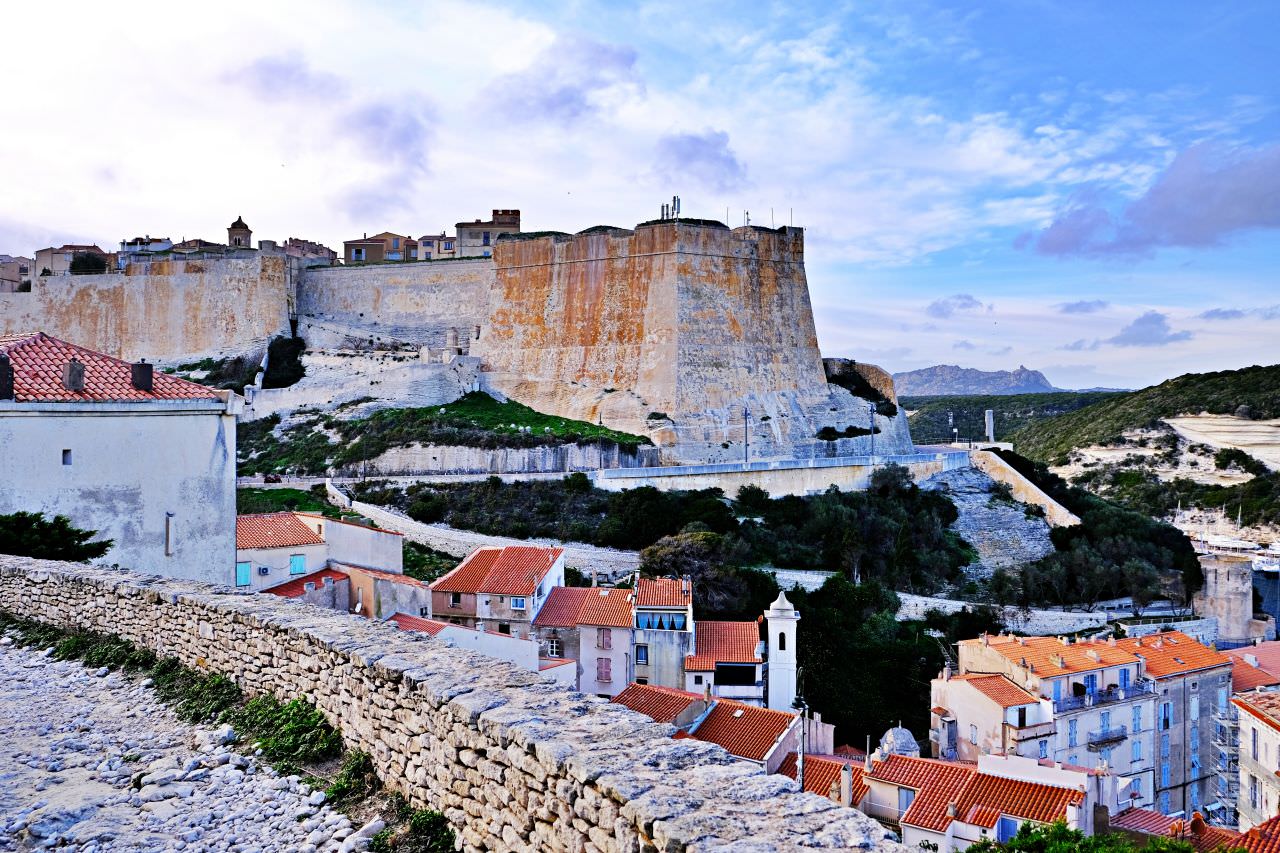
1031	731
1107	737
1105	697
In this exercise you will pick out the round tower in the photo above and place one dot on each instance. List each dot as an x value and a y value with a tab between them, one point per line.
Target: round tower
781	619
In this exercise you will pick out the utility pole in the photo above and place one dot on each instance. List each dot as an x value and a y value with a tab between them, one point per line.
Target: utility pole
871	408
800	705
746	438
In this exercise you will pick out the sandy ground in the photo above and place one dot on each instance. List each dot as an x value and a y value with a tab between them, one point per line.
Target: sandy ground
1260	439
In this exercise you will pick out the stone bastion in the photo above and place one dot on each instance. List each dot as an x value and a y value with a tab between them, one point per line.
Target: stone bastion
514	761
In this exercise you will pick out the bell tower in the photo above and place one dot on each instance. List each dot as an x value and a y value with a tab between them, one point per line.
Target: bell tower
781	619
239	235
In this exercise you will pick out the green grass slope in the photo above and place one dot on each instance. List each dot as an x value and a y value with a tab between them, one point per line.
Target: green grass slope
1012	412
1220	392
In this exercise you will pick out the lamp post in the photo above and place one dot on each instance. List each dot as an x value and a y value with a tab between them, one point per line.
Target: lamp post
871	419
800	705
746	439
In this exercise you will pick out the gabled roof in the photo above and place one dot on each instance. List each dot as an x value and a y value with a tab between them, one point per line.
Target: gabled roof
723	642
1247	676
298	586
1200	835
1263	838
1263	706
1172	653
664	592
999	689
1050	656
562	606
607	608
409	622
746	731
393	577
38	361
936	783
513	570
273	530
821	771
663	704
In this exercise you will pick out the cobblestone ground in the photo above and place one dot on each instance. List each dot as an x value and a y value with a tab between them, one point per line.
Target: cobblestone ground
75	739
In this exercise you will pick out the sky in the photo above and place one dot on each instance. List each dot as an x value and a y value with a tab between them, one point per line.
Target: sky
1091	189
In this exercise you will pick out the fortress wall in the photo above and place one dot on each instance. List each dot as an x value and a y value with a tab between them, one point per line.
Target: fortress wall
417	303
169	311
514	760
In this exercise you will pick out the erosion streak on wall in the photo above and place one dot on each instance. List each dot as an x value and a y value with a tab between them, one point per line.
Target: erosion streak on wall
163	311
514	760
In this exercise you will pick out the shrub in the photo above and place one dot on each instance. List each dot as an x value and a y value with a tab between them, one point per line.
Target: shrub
29	534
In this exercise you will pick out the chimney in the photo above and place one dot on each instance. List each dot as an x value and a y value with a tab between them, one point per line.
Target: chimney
73	375
142	376
6	378
951	809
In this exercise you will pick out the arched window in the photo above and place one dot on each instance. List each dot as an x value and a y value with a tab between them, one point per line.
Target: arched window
782	642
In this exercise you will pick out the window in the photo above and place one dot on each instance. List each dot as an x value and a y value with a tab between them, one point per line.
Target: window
1253	743
1137	719
1022	718
1006	829
1222	700
297	564
1195	763
782	641
1194	710
395	242
604	673
905	797
1195	685
1254	799
448	244
697	679
1164	802
1106	720
1164	745
1135	753
604	638
455	599
973	733
357	254
1164	774
1194	794
1124	679
554	648
1166	715
1073	759
424	612
1057	691
1105	754
244	574
1072	732
66	457
485	239
504	628
517	603
170	534
642	655
1195	738
1091	683
1044	749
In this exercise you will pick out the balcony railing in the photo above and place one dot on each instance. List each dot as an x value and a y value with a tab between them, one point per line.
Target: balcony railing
1107	737
1104	697
1031	731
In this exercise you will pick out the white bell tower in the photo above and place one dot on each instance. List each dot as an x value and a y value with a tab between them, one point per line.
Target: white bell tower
781	619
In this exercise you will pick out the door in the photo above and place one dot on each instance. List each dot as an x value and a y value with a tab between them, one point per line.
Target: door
298	564
243	574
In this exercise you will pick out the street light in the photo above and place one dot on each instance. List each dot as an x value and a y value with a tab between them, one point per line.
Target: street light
746	438
871	418
799	704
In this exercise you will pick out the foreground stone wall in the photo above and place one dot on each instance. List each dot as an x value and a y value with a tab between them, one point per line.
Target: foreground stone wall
174	310
515	761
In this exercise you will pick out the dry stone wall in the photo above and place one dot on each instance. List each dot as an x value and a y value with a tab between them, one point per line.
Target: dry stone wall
514	761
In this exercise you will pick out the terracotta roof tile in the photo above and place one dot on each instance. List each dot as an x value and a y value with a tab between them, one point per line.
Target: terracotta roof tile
822	771
609	608
936	783
38	360
1200	835
987	797
393	577
1263	838
296	587
662	704
1247	676
562	606
273	530
664	592
747	731
1045	653
999	689
409	622
1143	820
1263	706
552	663
1171	653
514	570
723	642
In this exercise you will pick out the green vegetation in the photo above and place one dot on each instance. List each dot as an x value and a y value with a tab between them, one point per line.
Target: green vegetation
284	362
427	564
828	433
412	830
284	367
250	499
1058	838
1252	392
290	734
1012	412
475	420
88	263
29	534
856	384
356	780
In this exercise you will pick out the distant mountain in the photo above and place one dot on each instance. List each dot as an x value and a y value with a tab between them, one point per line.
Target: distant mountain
951	379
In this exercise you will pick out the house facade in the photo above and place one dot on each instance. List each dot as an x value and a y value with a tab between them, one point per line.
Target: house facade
477	239
380	248
1259	757
502	589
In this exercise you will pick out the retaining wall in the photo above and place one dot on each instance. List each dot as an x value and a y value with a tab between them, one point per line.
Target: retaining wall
514	761
1023	489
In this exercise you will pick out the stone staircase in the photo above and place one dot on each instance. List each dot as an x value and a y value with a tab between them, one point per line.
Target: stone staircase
1001	532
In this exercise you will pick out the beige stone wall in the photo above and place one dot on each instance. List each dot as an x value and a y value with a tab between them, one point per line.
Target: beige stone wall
513	760
167	311
1023	489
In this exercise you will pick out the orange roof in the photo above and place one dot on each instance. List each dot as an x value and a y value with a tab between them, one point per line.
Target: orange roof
296	587
664	592
936	784
1263	706
408	622
821	771
723	642
1050	656
323	517
561	608
273	530
1173	653
514	570
380	574
999	689
38	360
552	663
1200	835
663	704
1247	676
747	731
1263	838
610	608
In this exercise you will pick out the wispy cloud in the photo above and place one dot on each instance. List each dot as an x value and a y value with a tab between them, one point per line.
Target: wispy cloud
1150	330
394	138
286	76
573	78
704	158
964	345
947	307
1270	312
1085	306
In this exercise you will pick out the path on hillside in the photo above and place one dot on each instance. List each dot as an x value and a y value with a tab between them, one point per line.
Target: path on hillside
75	741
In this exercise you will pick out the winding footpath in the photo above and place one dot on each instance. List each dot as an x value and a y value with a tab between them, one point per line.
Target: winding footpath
93	761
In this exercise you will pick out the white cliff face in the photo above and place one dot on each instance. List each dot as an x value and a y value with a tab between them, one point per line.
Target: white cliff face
75	741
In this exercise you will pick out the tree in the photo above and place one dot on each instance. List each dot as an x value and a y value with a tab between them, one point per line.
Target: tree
88	263
28	534
722	587
1058	838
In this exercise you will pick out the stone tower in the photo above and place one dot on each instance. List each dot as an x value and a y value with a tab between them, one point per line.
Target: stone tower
781	618
1227	595
239	235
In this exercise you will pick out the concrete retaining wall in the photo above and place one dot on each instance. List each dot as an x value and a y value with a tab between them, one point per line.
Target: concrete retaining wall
512	759
436	459
1023	489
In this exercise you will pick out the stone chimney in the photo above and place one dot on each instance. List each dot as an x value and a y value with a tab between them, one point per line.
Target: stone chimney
142	376
73	375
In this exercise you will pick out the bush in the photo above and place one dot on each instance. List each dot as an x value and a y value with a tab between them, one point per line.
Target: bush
288	733
284	362
28	534
88	263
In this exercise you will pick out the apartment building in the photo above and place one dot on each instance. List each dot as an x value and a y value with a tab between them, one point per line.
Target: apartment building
1259	757
477	239
499	588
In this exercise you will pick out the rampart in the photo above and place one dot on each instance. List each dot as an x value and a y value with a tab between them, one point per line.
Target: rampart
170	310
514	761
1022	489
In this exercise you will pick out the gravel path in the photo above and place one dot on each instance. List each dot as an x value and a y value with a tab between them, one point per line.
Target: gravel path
74	741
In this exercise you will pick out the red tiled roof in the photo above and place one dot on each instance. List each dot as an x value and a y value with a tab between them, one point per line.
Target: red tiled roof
662	704
394	577
723	642
514	570
1143	820
745	730
987	797
38	360
1171	653
999	689
562	606
552	663
1044	653
609	608
664	592
1263	838
297	586
273	530
409	622
1264	706
1246	676
821	771
936	783
1201	836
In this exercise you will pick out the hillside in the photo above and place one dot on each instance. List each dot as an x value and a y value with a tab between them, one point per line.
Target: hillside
951	379
1013	412
1251	392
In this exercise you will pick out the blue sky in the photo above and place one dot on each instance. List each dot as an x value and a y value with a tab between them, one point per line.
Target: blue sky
1091	189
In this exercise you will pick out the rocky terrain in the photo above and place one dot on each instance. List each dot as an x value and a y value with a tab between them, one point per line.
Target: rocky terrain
93	761
999	529
953	379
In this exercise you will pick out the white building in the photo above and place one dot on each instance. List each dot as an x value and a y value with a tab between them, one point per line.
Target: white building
521	652
146	459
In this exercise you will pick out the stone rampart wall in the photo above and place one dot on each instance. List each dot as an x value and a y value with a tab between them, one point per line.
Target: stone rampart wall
451	459
168	311
514	761
1023	489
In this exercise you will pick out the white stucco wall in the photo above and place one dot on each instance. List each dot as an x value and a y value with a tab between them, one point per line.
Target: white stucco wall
358	545
276	561
130	465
